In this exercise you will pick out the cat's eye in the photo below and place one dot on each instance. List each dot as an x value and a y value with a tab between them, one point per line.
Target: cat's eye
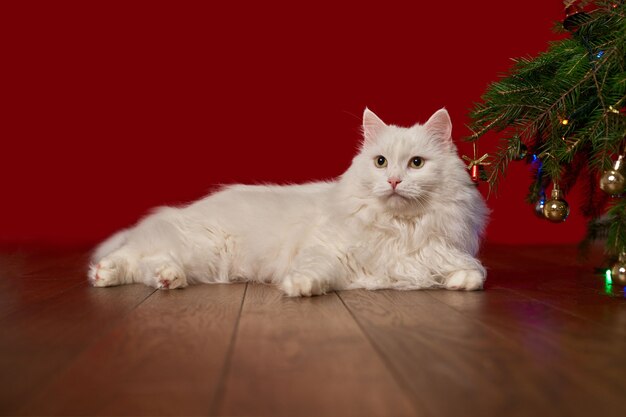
416	162
380	161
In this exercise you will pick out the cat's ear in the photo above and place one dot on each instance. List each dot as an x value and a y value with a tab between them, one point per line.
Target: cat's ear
372	125
439	126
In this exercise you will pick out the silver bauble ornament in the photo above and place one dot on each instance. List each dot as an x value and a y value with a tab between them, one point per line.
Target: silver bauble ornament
540	205
556	208
613	181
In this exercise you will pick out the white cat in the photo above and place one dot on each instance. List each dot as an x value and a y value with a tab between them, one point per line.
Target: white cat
405	215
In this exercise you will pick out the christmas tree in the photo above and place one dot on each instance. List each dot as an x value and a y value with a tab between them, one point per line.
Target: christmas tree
564	112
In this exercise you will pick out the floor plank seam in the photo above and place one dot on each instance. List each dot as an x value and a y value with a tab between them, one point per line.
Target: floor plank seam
43	300
221	384
94	342
108	329
397	377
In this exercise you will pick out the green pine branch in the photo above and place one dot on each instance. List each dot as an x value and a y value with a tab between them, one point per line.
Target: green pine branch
581	79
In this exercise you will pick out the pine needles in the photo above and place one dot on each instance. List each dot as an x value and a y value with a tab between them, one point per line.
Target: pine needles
567	106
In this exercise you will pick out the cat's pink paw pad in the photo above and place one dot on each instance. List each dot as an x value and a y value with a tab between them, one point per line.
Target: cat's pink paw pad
104	274
97	269
467	280
169	277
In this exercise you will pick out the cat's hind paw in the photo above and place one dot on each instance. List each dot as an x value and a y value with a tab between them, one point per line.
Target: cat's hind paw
105	273
297	285
467	279
169	277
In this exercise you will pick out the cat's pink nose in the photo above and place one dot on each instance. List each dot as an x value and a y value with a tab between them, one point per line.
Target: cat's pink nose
394	181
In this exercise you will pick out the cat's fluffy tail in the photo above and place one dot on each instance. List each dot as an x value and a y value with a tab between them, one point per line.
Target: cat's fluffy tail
110	245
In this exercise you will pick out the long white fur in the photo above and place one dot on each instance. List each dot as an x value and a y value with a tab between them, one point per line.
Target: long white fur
354	232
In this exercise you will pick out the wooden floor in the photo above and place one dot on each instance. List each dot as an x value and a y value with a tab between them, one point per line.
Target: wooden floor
547	337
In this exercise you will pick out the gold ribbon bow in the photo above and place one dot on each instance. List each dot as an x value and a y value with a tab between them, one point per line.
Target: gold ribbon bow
476	161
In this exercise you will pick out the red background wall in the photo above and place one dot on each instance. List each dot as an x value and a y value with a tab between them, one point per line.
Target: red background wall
110	108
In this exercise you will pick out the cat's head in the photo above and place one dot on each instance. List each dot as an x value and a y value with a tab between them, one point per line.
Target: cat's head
404	168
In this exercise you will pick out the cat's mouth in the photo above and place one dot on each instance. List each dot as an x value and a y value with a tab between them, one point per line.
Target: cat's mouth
395	194
398	198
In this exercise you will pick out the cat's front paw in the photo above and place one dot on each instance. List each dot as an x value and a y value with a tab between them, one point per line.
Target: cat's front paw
467	279
298	285
105	273
169	277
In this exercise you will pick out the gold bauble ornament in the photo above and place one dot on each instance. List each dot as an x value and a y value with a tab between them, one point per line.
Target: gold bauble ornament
618	271
556	208
613	181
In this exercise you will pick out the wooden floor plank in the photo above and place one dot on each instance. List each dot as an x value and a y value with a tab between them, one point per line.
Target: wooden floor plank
547	337
452	365
577	357
165	358
594	301
557	276
27	278
39	340
44	263
540	256
306	357
21	292
11	264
